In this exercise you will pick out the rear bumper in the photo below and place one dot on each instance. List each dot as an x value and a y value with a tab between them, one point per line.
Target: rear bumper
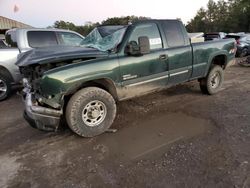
39	117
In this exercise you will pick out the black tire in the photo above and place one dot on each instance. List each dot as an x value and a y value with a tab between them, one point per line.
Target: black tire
245	62
5	88
83	106
209	85
244	52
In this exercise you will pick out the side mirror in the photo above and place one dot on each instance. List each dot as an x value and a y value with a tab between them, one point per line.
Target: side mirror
132	48
135	49
144	45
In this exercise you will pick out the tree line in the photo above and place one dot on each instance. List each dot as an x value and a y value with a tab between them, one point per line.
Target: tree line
221	16
225	16
89	26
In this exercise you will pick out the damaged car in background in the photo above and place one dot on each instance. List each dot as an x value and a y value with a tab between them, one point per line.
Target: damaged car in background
81	85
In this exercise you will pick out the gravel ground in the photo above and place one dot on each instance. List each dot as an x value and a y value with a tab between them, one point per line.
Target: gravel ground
175	138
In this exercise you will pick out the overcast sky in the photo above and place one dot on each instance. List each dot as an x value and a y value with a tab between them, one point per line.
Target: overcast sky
42	13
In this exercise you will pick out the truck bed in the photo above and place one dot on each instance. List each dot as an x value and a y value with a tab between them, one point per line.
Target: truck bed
204	51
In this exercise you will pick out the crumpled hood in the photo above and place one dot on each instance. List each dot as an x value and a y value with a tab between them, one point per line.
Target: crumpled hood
56	54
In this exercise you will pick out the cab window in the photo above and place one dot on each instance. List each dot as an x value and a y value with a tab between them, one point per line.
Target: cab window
174	34
149	30
71	39
39	39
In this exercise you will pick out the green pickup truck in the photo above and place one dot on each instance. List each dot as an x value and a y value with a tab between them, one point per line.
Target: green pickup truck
81	85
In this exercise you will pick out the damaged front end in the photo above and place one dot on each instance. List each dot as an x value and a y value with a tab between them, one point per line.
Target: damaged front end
42	94
41	111
37	113
41	117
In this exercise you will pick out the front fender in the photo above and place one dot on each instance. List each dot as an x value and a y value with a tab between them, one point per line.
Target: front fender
69	78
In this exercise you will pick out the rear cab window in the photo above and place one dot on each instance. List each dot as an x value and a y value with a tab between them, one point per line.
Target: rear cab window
38	39
173	33
149	30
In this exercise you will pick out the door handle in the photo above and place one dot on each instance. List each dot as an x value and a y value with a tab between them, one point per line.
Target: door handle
163	57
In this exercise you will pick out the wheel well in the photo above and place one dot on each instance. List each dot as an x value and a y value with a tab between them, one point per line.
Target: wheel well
104	84
220	60
6	73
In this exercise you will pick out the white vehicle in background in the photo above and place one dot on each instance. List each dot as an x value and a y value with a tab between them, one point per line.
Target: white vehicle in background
22	40
196	37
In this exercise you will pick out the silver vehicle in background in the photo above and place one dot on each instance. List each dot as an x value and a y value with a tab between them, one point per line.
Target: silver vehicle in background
2	41
2	44
22	40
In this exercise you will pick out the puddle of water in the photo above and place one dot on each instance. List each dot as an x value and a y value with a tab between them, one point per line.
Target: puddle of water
143	139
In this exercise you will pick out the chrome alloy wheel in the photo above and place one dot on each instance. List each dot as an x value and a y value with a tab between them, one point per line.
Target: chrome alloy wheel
3	87
94	113
215	80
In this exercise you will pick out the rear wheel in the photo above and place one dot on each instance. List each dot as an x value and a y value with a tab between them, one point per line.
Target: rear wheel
5	88
90	112
213	82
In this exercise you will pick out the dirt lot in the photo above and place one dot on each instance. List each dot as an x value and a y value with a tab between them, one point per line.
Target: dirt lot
175	138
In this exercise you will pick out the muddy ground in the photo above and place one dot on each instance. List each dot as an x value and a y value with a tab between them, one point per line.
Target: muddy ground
174	138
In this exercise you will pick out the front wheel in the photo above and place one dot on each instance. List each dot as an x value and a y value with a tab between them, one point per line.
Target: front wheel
213	82
90	112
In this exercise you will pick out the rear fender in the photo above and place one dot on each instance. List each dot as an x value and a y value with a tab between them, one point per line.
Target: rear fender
213	57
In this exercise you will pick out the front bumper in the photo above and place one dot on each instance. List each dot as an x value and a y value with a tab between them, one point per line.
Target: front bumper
39	117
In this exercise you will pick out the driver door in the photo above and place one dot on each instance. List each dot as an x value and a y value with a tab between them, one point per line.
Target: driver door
144	73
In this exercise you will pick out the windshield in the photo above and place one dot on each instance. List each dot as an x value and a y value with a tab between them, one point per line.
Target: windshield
104	41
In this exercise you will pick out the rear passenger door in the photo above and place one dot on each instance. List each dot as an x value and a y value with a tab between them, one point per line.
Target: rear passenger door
178	50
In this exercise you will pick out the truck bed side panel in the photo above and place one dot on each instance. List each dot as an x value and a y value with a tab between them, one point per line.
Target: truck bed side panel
203	54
